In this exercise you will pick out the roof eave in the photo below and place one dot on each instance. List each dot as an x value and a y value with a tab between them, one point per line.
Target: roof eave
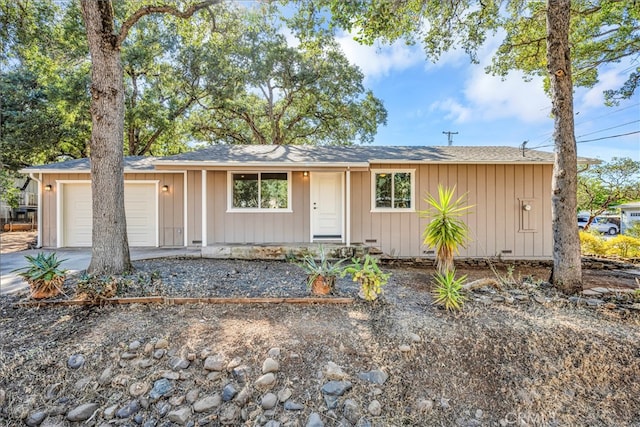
259	164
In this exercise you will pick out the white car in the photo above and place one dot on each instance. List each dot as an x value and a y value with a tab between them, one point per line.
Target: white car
600	224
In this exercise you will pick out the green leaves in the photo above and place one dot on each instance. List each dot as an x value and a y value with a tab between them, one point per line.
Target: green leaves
448	291
369	275
446	231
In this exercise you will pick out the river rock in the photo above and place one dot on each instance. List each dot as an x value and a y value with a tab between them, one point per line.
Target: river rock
229	414
336	388
214	363
35	419
82	412
162	344
375	408
128	410
177	363
229	392
334	372
284	394
207	403
266	381
161	388
291	405
270	365
376	376
180	416
269	401
75	361
314	420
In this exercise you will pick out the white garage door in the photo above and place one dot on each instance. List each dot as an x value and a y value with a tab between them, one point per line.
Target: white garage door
140	208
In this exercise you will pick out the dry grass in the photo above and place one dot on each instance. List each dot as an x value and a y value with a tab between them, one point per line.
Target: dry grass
543	365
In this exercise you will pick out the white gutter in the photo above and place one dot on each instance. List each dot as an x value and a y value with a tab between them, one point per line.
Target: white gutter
39	181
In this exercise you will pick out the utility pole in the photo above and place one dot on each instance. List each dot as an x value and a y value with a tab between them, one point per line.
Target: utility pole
449	137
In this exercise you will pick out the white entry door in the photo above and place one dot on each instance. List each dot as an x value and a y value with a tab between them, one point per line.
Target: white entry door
326	205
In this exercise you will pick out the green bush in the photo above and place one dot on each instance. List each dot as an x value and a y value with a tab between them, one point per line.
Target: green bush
43	275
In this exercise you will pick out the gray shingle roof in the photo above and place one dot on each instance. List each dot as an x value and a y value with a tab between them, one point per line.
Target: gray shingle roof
243	154
133	163
305	155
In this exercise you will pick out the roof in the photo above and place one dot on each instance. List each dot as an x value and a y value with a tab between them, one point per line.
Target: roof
220	155
131	163
308	156
629	205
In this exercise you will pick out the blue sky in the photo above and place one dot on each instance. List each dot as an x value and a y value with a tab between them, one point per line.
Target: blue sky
424	99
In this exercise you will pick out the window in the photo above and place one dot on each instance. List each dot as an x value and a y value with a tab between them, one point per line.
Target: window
393	190
259	191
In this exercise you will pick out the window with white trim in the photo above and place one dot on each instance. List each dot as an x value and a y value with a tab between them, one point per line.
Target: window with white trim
259	191
393	190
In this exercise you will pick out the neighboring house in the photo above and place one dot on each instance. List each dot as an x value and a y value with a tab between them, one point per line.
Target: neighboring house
629	213
360	195
26	212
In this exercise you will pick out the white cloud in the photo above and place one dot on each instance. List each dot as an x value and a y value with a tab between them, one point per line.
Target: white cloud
454	111
379	60
611	79
493	97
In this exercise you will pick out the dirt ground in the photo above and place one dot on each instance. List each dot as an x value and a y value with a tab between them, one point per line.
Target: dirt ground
540	360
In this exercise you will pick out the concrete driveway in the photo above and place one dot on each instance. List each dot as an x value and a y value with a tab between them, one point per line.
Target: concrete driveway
75	260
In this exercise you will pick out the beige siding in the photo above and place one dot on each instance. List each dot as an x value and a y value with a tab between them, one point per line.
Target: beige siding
262	227
170	206
498	224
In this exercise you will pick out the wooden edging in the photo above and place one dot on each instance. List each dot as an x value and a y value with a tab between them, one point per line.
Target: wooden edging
181	301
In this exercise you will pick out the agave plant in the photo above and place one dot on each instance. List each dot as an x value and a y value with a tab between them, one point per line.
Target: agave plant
446	231
321	272
448	291
43	274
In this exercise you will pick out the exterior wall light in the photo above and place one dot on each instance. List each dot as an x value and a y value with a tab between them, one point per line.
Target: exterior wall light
165	188
48	187
305	173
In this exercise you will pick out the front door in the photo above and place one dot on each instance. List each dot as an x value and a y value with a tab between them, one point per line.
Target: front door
326	205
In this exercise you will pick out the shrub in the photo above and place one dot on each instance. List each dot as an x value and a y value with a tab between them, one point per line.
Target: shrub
43	274
448	291
371	278
623	246
592	244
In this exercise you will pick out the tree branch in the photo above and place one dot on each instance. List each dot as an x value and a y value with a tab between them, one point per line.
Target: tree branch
166	9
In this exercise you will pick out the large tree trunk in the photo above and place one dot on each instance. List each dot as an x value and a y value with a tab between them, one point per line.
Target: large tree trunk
110	253
567	269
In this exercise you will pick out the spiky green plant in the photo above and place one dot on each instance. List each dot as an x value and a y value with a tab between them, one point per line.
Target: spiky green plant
448	291
43	274
446	231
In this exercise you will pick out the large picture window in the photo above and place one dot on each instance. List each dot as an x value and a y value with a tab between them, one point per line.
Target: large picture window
259	191
393	190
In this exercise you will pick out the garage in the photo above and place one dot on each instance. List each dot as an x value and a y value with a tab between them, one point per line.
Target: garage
140	200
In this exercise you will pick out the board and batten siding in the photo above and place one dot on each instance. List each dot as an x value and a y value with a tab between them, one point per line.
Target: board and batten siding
498	223
170	205
256	227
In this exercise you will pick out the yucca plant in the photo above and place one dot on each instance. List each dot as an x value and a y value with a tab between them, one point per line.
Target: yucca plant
43	274
448	291
369	275
446	232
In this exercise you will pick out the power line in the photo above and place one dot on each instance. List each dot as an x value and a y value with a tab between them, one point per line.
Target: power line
591	140
612	127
